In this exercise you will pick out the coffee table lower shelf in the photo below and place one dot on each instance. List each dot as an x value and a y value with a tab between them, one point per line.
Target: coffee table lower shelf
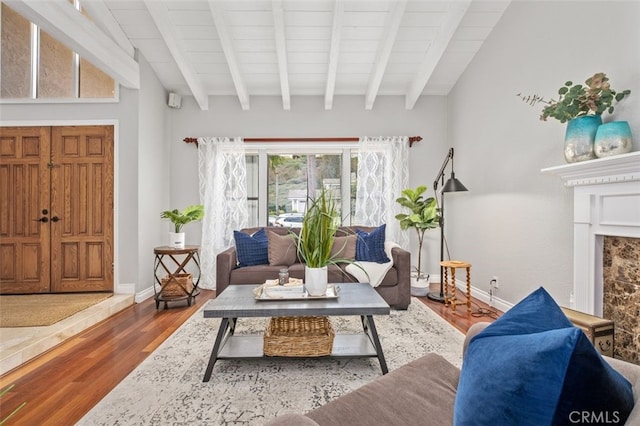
344	345
231	346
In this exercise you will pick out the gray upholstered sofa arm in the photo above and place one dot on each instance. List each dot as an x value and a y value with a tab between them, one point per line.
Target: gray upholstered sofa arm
226	261
402	263
473	330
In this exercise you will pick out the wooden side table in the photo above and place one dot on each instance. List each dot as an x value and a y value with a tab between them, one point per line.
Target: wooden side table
452	265
174	262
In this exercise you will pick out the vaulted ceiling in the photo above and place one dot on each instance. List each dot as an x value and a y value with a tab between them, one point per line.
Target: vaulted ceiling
246	48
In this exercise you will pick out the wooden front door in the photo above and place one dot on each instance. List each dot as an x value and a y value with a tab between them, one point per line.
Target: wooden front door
56	209
24	210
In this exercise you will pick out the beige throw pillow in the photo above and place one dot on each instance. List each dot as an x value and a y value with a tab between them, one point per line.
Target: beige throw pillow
282	249
344	247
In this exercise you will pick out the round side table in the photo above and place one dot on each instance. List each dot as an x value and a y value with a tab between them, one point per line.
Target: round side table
450	286
174	263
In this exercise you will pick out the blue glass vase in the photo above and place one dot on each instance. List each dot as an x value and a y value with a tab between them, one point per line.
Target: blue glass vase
612	139
580	137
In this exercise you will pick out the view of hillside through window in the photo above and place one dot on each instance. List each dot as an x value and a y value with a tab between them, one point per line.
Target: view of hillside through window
292	179
295	178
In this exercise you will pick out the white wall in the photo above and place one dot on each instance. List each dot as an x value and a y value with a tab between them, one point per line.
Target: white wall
308	118
515	222
154	174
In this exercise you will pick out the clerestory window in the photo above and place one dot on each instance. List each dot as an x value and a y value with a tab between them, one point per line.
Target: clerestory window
35	66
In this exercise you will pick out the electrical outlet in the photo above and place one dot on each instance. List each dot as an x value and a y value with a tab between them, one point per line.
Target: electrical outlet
495	281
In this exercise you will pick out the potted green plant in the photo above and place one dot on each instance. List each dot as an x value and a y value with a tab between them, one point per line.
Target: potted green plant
423	216
179	218
315	240
581	106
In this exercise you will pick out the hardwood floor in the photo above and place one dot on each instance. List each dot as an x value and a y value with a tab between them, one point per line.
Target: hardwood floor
462	320
60	386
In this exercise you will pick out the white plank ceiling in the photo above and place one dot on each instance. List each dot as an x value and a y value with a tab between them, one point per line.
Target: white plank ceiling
328	48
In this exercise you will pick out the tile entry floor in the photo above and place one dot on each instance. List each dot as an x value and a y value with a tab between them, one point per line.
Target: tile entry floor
20	344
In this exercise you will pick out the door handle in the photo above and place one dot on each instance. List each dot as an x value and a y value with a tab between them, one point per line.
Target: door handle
55	219
42	219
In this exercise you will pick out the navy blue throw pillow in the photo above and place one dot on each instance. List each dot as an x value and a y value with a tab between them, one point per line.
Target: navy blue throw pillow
533	367
252	249
370	246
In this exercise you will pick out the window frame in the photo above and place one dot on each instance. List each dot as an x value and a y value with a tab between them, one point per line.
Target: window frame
345	149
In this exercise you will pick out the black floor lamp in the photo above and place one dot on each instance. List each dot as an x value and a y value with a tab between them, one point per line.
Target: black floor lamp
452	185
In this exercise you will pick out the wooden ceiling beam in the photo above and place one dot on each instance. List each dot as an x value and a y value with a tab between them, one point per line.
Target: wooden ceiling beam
103	18
227	46
334	53
160	15
456	13
384	52
281	51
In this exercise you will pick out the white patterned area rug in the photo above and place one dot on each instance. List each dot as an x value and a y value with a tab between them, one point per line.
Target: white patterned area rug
167	388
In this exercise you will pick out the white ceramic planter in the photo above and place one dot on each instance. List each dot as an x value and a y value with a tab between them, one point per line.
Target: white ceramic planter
176	240
315	280
420	287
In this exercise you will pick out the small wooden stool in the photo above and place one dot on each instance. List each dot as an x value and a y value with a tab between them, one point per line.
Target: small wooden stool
451	265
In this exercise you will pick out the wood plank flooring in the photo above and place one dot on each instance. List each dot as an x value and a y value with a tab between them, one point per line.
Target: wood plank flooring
60	386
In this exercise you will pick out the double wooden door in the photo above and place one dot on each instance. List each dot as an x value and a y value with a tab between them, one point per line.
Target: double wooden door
56	209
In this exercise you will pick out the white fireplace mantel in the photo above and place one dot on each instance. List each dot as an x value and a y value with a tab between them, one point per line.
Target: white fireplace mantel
606	201
619	168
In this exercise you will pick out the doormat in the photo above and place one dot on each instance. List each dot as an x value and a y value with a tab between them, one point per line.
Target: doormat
34	310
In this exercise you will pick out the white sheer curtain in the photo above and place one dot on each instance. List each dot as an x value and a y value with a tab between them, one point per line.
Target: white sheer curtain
223	192
383	172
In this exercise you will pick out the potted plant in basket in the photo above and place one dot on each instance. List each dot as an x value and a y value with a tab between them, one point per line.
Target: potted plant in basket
423	216
179	218
581	106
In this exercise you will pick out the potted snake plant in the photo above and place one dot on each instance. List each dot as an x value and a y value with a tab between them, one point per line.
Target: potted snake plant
315	240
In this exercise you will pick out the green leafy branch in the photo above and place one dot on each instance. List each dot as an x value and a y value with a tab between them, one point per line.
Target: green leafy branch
181	218
595	97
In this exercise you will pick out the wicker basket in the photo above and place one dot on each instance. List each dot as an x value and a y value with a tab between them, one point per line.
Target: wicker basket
181	285
298	337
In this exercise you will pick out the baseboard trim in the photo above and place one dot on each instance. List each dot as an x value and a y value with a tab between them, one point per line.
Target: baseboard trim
126	288
496	302
144	294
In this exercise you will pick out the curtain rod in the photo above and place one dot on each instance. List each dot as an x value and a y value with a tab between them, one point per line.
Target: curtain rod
412	139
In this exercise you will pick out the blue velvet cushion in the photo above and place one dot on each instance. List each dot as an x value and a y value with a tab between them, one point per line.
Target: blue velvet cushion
252	249
370	246
533	367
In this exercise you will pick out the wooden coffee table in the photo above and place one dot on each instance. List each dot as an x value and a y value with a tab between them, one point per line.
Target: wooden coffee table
237	301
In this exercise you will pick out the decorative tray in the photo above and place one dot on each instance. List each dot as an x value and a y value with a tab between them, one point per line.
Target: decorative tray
294	293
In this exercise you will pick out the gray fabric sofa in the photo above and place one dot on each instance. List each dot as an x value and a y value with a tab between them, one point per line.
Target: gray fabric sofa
395	288
421	392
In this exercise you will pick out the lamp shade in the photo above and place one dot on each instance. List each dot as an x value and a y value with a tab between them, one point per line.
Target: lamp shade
453	185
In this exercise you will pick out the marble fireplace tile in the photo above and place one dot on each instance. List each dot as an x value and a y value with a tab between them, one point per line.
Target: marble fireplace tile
621	277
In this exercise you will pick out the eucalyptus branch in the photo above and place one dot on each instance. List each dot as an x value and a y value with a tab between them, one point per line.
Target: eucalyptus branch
534	99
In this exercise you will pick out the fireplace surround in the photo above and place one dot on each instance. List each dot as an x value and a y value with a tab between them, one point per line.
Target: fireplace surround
606	201
606	207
